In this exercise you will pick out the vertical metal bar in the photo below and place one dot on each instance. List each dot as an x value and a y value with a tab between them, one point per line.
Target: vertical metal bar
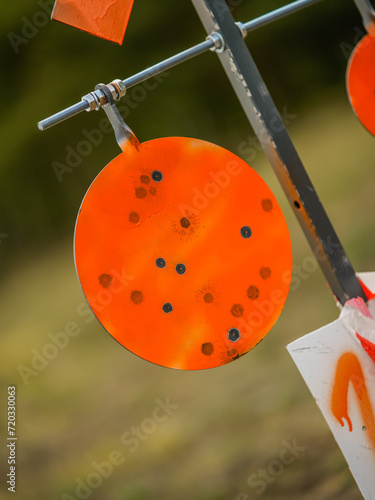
367	12
269	127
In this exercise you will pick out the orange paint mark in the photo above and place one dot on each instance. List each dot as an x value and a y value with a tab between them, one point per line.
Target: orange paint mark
349	370
206	245
360	80
106	19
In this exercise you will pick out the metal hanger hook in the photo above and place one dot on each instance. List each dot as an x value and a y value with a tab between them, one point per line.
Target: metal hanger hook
122	132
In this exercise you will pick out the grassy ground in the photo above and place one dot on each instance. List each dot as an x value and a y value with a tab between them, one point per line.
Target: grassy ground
230	422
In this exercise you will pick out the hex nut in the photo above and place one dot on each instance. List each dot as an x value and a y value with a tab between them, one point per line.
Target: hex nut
120	86
89	98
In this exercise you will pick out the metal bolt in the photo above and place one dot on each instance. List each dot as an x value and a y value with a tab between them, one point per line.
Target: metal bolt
242	28
99	94
114	92
218	41
91	102
120	87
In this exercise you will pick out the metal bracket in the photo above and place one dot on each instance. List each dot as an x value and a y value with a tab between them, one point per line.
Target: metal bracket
104	94
123	133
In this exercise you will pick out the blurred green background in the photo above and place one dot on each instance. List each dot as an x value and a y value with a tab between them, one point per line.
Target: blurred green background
230	421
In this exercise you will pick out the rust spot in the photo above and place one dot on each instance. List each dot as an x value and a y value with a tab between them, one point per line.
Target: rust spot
253	292
207	348
208	298
105	280
267	205
233	354
145	179
152	191
140	192
237	310
133	217
133	140
265	272
136	297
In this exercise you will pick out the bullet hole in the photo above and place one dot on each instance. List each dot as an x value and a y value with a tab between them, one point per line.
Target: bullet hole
245	232
185	222
157	176
160	263
181	268
234	334
167	308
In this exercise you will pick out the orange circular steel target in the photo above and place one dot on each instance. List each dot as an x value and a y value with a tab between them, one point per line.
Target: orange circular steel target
360	81
183	253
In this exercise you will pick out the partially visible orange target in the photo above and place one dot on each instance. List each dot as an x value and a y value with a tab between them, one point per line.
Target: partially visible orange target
361	81
183	253
106	19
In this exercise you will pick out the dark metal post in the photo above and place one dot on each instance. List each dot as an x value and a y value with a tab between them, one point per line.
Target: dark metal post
269	127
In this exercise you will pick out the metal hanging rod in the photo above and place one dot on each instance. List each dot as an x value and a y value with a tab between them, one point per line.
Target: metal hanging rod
96	99
214	41
277	14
